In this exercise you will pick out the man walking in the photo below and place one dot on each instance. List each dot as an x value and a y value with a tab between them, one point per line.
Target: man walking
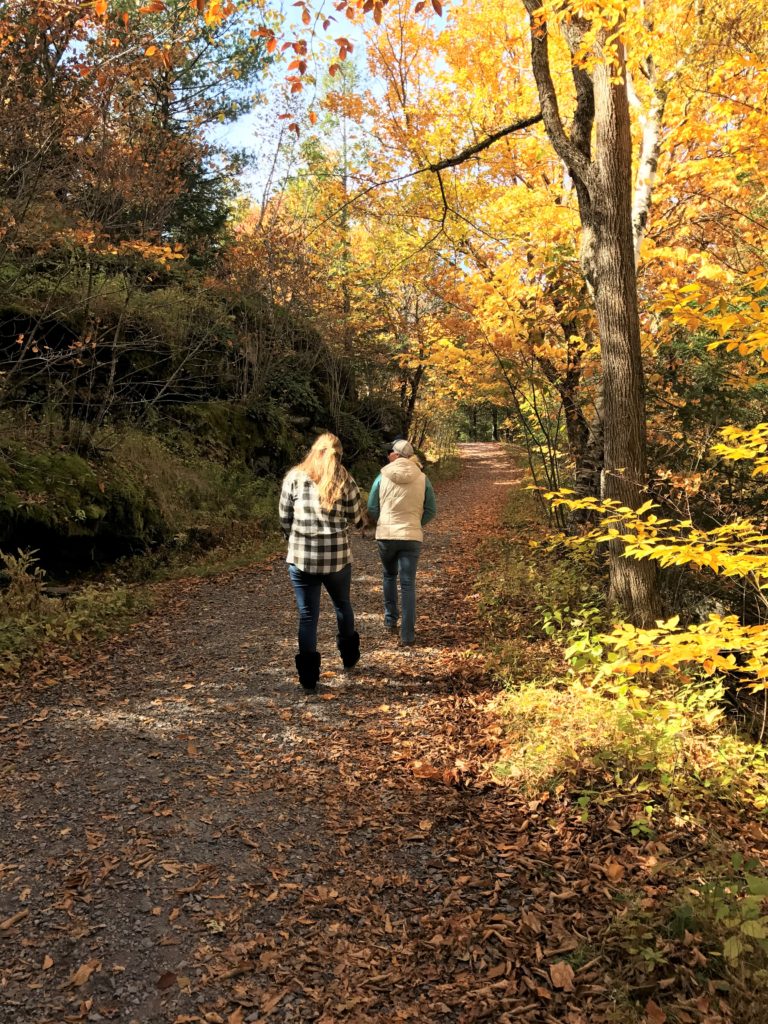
401	502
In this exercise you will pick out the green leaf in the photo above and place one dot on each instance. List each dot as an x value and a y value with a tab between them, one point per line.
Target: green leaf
755	930
757	885
733	948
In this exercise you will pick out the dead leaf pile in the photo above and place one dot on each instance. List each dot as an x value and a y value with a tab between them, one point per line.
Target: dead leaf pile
189	840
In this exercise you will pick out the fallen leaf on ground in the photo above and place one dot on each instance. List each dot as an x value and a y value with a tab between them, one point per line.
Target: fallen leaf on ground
9	922
654	1013
562	975
614	870
83	973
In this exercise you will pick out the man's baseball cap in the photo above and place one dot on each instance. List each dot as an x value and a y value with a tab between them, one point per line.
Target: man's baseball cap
402	447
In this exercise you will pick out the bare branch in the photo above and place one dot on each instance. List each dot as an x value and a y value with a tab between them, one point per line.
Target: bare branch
439	165
478	147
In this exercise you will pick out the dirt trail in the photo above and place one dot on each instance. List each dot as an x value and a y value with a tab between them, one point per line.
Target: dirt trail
193	839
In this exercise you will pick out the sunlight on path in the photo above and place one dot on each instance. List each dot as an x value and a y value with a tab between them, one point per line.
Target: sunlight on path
212	843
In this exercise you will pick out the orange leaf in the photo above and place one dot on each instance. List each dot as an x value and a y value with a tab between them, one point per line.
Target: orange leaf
271	45
9	922
100	7
614	870
150	51
654	1013
423	770
562	975
312	117
83	973
271	1001
438	7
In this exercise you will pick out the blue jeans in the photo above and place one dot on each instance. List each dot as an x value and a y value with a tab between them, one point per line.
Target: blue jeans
306	590
400	557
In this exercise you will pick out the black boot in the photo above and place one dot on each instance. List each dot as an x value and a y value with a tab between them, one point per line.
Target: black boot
349	649
308	667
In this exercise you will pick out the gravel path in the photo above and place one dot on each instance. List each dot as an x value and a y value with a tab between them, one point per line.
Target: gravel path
188	837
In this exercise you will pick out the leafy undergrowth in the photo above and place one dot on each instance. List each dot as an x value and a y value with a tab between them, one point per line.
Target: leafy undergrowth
33	623
127	490
660	766
447	467
241	545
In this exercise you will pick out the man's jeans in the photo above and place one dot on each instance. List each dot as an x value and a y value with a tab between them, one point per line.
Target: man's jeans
306	589
400	557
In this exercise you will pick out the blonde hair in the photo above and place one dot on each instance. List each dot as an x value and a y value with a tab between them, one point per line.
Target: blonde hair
323	467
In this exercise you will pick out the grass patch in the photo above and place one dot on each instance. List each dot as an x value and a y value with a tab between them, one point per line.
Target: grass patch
215	517
446	468
241	544
30	620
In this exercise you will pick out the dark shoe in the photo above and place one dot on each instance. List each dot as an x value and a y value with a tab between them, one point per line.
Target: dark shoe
349	649
308	667
390	627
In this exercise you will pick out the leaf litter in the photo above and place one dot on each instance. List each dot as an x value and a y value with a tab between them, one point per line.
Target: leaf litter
187	838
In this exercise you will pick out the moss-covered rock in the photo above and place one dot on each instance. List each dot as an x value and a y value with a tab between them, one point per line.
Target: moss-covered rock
262	436
45	494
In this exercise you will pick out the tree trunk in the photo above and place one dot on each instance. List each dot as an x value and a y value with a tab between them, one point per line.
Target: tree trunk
588	479
409	398
646	168
604	191
566	384
633	583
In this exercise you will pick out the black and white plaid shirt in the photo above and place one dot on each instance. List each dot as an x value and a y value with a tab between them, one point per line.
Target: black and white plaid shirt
318	541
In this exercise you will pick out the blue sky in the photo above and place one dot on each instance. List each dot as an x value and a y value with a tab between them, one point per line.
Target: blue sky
257	131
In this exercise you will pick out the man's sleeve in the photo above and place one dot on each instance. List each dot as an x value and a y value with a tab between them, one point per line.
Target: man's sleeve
286	508
430	505
373	499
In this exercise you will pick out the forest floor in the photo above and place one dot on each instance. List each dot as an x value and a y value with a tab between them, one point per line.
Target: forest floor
187	837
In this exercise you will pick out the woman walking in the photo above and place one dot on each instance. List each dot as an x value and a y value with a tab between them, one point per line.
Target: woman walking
401	503
318	502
